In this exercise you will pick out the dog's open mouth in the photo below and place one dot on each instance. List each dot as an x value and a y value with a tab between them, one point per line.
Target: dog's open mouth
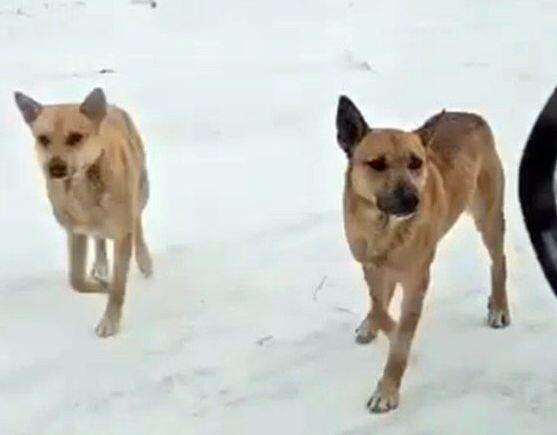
403	217
398	213
58	174
57	168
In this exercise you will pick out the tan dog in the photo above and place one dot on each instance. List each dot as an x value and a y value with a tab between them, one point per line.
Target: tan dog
94	164
403	192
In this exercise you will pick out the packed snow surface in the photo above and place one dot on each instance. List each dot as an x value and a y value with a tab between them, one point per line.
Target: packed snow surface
247	325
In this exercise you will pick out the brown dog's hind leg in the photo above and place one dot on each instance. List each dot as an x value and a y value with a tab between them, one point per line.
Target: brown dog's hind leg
487	210
381	290
142	254
100	265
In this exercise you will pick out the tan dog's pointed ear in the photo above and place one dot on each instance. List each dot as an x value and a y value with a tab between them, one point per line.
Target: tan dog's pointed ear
28	107
351	125
428	131
94	105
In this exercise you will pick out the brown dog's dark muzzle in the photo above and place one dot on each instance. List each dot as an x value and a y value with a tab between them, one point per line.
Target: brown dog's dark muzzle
57	168
403	201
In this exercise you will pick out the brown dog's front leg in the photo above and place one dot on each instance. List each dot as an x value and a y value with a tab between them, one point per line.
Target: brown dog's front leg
381	289
386	396
77	250
110	323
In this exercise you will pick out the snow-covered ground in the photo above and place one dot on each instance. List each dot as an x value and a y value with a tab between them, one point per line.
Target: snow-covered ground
247	326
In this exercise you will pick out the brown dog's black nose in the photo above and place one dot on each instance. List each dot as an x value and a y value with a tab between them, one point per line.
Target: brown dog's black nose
402	201
407	200
57	168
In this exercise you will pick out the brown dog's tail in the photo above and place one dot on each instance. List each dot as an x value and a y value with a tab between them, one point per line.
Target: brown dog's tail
536	189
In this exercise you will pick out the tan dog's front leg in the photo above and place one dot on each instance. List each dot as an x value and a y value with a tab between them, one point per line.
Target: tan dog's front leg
142	254
381	289
100	266
110	323
386	396
77	249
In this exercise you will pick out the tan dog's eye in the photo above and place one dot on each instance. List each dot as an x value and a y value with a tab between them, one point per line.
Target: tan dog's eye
415	163
73	139
378	164
43	140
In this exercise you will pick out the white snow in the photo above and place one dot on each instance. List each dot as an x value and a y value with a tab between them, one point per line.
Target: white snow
247	326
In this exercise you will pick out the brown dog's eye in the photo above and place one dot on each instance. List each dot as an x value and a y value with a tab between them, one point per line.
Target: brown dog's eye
415	163
378	164
73	139
43	140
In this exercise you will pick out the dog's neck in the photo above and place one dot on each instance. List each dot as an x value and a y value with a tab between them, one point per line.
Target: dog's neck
378	238
374	235
91	175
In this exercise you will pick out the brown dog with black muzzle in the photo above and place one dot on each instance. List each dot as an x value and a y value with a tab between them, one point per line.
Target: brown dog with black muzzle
94	163
403	192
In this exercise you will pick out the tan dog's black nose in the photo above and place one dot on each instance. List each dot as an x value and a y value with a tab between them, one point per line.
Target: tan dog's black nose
57	168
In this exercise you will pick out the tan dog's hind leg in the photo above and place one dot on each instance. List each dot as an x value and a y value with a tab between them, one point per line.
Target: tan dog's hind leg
386	395
77	249
142	255
487	210
100	266
110	323
381	290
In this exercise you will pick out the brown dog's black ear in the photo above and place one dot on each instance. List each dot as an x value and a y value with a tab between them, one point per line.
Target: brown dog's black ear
28	107
351	125
94	105
428	131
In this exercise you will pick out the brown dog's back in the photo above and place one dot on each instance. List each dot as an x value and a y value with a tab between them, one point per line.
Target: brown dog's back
462	147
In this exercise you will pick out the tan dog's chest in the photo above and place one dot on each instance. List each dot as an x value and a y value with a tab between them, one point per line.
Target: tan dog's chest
83	205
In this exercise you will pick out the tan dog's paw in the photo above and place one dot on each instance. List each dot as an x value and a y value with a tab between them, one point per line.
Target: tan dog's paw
384	399
108	326
366	332
144	261
497	317
99	272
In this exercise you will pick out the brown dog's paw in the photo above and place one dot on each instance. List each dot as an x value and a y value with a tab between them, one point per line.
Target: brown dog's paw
384	399
365	332
497	317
